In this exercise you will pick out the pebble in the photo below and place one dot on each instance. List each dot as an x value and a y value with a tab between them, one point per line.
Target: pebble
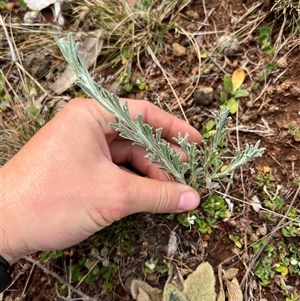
203	96
229	45
191	27
178	50
282	62
32	17
42	69
118	90
254	237
192	14
262	230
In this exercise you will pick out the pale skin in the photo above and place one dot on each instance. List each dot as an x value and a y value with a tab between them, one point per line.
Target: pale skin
66	183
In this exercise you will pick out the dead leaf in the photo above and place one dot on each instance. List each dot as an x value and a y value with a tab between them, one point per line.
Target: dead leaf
142	291
234	290
89	51
230	273
255	203
238	78
172	245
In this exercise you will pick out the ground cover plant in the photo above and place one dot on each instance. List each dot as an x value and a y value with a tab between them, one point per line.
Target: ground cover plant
193	59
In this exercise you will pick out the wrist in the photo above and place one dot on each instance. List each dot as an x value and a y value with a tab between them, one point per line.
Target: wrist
5	278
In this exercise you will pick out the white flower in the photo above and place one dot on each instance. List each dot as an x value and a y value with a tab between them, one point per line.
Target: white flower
191	219
150	266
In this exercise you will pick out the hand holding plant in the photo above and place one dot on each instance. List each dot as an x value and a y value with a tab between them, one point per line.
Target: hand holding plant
203	165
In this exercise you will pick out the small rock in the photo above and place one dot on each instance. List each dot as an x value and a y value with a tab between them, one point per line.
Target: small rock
32	17
282	62
206	237
203	96
235	63
254	237
192	14
229	45
9	6
42	69
262	230
178	50
191	27
118	90
206	71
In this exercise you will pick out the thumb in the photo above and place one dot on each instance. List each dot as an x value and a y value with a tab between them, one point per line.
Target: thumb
150	195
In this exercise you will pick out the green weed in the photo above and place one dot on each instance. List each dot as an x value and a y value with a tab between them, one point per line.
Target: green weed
213	210
232	91
264	39
294	130
153	266
265	179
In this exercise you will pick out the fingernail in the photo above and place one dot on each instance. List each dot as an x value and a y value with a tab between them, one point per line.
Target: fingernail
188	200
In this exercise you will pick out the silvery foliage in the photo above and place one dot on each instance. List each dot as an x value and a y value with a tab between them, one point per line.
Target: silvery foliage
204	163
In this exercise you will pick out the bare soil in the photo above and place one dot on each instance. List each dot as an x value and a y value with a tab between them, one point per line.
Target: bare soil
264	115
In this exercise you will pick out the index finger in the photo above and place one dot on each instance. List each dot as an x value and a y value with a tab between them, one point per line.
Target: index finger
158	118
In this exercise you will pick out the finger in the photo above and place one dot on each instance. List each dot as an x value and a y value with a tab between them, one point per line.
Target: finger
137	194
150	195
152	115
158	118
125	152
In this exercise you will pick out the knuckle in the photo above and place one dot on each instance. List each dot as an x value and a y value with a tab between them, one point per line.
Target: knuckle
162	204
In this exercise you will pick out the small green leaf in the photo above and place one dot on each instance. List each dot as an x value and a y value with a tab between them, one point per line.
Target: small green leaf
40	120
223	97
209	125
270	50
228	84
233	105
240	93
127	87
32	112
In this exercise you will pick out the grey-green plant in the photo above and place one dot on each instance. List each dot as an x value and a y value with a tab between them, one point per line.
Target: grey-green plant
205	163
200	285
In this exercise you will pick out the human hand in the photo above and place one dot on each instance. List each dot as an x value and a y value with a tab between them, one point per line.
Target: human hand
66	183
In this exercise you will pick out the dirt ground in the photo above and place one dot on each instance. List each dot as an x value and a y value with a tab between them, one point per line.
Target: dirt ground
265	115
